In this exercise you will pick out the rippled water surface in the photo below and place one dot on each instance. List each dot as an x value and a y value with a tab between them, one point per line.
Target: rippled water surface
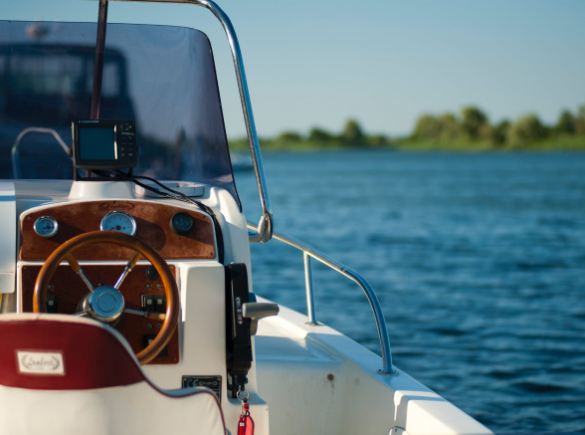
478	261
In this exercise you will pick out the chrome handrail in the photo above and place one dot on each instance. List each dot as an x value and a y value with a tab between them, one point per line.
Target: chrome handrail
264	230
22	134
308	253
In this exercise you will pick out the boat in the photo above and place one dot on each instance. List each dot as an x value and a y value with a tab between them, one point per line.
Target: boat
128	301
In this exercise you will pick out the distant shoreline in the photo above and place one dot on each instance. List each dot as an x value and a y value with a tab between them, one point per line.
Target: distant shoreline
468	131
561	144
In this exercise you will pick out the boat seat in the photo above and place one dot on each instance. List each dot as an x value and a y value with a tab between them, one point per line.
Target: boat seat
68	375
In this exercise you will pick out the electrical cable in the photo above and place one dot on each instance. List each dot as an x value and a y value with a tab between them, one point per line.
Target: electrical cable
179	196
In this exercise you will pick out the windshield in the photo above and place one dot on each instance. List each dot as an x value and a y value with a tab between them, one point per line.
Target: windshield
163	77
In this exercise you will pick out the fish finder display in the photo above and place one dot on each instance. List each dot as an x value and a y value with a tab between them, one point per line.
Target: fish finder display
97	144
104	144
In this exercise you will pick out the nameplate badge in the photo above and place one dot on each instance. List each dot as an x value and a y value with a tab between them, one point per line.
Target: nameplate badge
40	363
211	382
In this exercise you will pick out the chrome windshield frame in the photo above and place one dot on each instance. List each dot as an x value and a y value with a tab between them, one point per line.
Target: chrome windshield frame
264	231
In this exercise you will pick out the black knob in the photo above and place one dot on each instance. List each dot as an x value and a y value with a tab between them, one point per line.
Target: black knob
152	273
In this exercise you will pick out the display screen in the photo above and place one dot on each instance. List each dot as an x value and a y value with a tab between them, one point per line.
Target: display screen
97	144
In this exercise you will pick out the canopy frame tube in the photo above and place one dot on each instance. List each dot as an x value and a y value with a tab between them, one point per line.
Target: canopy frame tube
263	234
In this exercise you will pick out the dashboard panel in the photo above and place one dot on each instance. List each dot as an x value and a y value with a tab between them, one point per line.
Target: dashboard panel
139	288
152	225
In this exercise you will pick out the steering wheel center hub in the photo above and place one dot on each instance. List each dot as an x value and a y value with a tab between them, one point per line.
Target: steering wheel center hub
105	304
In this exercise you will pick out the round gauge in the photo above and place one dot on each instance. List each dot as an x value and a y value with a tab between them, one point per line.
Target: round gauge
119	221
181	223
46	226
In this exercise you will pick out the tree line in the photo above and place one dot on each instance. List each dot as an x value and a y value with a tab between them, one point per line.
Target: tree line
472	125
352	135
469	129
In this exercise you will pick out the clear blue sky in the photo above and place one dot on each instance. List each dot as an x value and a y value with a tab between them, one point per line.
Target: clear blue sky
318	63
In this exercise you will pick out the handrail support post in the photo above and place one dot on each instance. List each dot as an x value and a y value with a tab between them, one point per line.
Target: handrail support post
309	289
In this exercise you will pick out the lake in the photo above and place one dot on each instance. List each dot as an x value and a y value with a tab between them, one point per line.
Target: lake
478	261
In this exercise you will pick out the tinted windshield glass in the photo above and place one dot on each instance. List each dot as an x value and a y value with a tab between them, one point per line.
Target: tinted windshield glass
163	77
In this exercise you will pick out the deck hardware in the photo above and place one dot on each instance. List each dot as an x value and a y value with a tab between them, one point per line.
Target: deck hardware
309	289
256	311
23	133
239	393
387	368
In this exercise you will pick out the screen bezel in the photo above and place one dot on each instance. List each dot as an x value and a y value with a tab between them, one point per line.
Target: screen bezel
118	162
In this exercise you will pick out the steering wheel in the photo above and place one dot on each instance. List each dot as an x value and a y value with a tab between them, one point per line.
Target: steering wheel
106	303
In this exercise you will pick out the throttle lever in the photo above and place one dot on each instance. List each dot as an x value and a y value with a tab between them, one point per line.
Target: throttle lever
256	311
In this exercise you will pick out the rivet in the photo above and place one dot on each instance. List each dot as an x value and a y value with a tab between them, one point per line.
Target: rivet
159	326
149	326
28	218
158	286
50	286
147	286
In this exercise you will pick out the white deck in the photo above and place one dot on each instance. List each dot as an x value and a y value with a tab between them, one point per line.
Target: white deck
317	381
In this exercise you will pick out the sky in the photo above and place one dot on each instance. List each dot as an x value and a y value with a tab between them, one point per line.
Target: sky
383	63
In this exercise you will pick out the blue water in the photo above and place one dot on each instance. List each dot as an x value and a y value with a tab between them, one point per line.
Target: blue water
478	261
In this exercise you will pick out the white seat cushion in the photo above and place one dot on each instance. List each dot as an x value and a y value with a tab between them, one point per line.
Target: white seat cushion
64	375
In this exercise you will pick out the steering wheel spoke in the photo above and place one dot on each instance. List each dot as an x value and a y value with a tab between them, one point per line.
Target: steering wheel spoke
79	271
128	269
146	314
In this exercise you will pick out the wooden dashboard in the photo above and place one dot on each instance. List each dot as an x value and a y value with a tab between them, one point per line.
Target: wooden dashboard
153	227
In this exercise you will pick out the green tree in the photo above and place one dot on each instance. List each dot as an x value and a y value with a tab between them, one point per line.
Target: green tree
472	122
566	123
580	121
499	133
378	140
289	136
319	135
427	127
526	130
352	133
450	129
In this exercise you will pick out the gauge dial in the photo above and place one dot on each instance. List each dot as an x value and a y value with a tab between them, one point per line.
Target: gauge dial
46	226
119	221
181	223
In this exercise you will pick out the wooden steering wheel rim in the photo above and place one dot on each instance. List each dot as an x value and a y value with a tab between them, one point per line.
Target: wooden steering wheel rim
64	252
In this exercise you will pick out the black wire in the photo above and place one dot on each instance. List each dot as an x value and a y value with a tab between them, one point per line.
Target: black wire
179	196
